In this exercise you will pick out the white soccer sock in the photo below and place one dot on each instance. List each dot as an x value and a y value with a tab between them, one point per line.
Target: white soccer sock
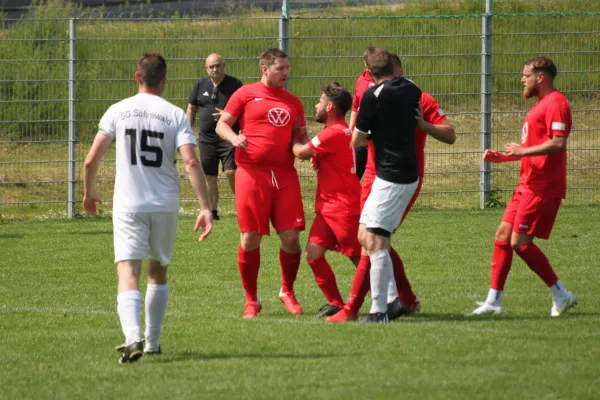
494	297
157	297
381	274
128	307
558	290
392	289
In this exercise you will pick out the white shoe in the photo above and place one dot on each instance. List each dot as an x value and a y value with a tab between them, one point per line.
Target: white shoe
486	308
560	305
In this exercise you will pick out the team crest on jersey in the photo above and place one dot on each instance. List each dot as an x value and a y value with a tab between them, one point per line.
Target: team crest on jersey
278	116
524	132
347	132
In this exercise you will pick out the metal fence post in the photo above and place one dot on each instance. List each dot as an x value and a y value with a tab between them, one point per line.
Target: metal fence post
71	176
284	33
486	102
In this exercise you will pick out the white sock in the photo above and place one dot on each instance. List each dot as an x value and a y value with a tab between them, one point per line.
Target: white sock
157	297
494	297
128	307
558	290
381	273
392	289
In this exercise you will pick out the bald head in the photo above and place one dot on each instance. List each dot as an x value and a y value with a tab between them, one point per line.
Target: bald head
215	68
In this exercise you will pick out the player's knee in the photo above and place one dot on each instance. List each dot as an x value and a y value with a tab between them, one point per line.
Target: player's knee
290	241
518	241
503	234
229	173
250	241
313	252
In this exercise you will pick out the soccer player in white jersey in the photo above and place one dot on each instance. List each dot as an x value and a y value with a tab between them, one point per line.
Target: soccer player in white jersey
148	131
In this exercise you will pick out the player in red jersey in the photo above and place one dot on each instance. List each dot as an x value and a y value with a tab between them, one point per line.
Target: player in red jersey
337	202
266	182
431	121
534	205
362	84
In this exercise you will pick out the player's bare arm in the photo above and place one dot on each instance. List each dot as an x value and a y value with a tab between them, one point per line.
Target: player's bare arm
554	145
299	133
444	132
90	170
191	113
302	151
198	180
225	131
359	138
353	118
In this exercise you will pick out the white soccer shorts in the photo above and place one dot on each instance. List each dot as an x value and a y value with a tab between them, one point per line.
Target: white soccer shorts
386	204
138	236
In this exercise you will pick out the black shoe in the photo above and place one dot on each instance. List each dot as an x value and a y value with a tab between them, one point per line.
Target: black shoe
328	310
152	351
130	353
377	318
396	309
215	214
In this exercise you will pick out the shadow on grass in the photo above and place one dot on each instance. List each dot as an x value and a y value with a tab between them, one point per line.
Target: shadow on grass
202	356
96	232
12	236
434	317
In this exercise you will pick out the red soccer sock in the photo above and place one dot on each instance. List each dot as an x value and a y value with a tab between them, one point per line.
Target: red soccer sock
249	264
290	264
361	284
326	280
537	261
407	297
501	262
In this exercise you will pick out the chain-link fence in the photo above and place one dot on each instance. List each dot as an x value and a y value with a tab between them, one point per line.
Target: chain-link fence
58	76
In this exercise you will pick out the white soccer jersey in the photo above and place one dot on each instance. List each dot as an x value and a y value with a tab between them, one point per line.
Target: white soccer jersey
147	130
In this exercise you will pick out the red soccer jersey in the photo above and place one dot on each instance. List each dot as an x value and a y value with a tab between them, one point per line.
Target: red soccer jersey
546	175
433	114
338	189
267	116
362	84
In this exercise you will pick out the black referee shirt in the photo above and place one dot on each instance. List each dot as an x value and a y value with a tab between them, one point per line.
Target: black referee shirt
207	98
388	111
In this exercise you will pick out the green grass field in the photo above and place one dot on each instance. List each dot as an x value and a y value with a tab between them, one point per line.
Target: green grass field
58	320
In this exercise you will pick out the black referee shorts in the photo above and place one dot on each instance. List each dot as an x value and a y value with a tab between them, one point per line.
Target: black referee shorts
211	153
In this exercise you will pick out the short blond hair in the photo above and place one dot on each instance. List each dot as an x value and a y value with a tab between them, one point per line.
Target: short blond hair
267	57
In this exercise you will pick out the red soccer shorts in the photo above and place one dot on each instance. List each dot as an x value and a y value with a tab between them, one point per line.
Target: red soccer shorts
338	234
366	190
268	195
531	214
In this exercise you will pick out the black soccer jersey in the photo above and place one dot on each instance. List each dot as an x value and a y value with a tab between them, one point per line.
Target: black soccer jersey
207	98
387	113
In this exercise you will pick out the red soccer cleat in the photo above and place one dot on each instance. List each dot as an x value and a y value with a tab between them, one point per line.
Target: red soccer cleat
251	309
345	315
291	303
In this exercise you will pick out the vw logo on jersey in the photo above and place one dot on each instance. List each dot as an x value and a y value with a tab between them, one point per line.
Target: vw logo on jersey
278	116
524	132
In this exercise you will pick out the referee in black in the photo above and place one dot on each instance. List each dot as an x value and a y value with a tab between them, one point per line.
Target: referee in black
387	116
210	95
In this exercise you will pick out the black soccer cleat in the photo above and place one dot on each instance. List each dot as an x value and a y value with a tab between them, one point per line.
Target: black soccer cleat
377	318
153	351
328	310
396	309
131	353
215	215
